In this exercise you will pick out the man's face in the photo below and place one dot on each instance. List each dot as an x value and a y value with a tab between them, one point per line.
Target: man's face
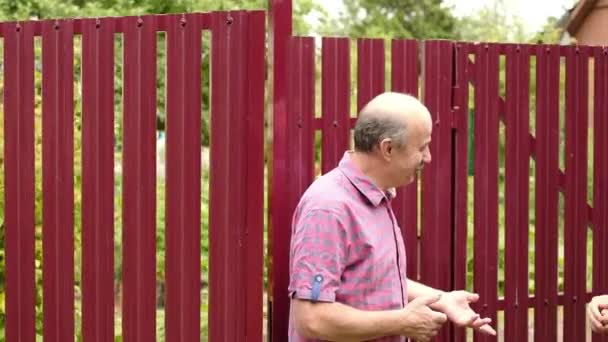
409	159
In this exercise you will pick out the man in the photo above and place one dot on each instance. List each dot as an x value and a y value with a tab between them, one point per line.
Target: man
347	263
597	311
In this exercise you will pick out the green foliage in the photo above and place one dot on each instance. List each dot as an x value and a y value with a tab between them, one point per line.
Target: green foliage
550	33
433	19
44	9
492	24
426	19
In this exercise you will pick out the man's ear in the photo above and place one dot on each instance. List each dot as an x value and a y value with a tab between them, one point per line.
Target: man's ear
386	148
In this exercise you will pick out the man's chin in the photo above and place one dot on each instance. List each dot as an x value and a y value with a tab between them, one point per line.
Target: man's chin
410	179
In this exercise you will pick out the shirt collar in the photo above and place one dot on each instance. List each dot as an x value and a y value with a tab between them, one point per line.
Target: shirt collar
363	183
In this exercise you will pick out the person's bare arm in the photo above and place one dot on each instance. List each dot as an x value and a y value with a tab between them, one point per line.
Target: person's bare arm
339	322
455	305
416	289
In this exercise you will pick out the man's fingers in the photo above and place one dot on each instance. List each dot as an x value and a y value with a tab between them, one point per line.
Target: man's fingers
439	317
487	329
481	322
595	324
596	316
594	310
472	297
471	320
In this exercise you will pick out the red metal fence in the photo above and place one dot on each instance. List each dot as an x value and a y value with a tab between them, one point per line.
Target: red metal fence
516	122
532	146
236	176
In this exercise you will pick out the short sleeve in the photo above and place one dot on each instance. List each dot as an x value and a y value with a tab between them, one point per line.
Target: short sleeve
318	250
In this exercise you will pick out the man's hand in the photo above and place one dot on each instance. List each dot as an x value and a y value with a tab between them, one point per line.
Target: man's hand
455	305
419	321
597	312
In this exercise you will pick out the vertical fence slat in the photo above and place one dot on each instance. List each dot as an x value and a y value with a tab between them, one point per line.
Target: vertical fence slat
404	79
461	104
437	175
226	175
235	230
517	161
335	101
254	135
301	105
139	180
58	179
183	170
546	195
461	172
299	164
279	228
436	268
575	220
19	181
97	180
600	175
370	70
486	182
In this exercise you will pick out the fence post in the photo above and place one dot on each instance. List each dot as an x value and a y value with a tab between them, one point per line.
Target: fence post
279	228
462	134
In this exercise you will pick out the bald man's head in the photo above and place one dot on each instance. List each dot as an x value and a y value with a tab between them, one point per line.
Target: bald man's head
388	116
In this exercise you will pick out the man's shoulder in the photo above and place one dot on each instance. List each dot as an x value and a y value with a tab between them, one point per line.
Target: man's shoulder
330	193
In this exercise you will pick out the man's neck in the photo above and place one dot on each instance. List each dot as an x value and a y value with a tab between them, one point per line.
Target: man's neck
369	164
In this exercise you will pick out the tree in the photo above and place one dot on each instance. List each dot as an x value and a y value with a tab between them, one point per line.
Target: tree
550	33
492	23
420	19
44	9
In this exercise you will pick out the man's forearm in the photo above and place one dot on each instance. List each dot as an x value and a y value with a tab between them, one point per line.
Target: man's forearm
416	289
339	322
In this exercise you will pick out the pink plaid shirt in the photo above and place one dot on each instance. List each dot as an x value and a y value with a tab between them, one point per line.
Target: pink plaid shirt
346	245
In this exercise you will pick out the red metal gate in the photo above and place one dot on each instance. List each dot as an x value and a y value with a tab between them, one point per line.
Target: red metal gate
485	227
236	176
